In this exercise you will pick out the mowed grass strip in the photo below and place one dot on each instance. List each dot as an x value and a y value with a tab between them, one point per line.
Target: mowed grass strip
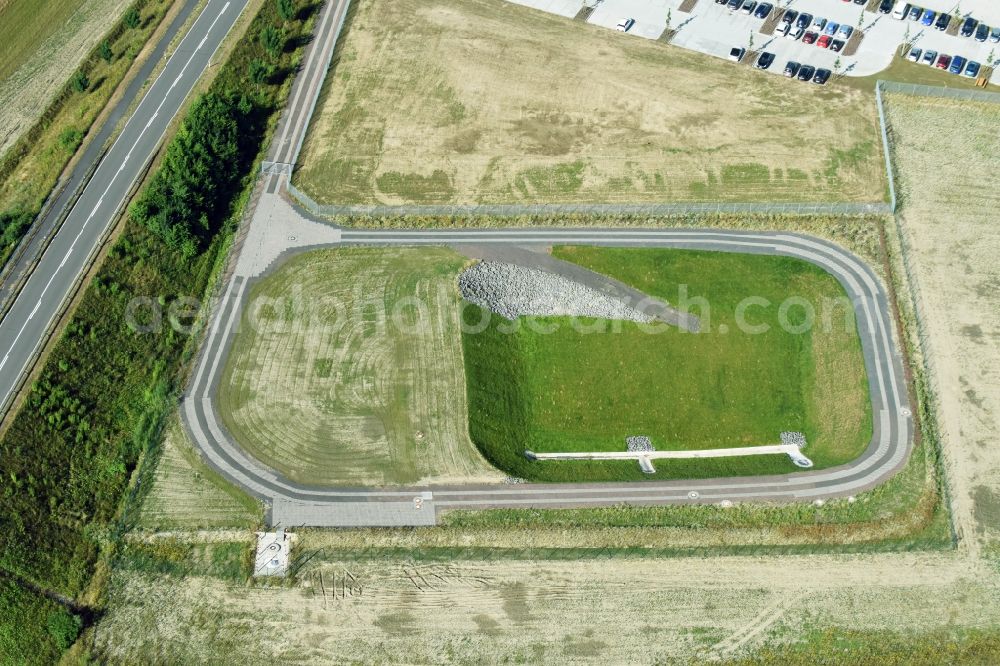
483	101
348	370
187	494
552	386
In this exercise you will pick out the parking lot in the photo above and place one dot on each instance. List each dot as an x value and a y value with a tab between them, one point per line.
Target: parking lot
713	29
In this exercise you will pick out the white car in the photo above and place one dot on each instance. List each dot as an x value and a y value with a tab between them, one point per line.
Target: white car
901	9
625	25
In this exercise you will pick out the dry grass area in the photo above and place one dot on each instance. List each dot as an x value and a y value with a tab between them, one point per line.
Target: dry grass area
348	370
602	612
41	45
187	494
464	101
947	155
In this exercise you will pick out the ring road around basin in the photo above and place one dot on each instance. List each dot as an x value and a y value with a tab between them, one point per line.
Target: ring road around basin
297	504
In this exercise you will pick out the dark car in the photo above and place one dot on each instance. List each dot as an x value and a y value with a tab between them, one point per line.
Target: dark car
804	21
943	20
915	13
790	16
837	45
806	73
972	69
734	4
765	60
792	68
957	65
982	32
749	6
809	37
943	61
763	10
969	27
822	76
886	6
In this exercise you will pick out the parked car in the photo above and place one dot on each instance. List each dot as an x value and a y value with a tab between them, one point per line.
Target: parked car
733	5
914	54
822	76
796	34
736	53
943	61
969	27
819	24
885	6
901	10
792	68
804	21
790	16
928	17
957	65
824	41
837	45
809	37
982	32
943	21
764	60
721	2
995	35
915	13
749	6
763	10
846	31
831	28
782	30
972	69
929	57
806	73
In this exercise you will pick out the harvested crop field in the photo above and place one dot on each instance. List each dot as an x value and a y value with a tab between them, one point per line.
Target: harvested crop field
949	224
561	385
625	611
41	44
352	371
469	101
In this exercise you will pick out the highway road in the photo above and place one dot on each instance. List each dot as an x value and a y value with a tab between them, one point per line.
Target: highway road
69	254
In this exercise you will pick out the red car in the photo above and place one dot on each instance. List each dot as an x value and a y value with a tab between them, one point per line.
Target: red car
943	61
809	37
824	41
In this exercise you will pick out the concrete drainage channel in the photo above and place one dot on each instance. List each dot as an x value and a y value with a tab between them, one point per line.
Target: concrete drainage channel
640	449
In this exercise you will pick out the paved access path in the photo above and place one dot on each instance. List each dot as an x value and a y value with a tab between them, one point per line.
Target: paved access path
278	230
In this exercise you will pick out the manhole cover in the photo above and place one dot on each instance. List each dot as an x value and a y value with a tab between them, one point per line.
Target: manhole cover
694	494
292	238
905	412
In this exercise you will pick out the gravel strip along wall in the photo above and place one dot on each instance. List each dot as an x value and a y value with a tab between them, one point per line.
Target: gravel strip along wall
513	291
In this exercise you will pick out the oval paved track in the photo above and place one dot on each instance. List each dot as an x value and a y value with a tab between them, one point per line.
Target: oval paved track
886	453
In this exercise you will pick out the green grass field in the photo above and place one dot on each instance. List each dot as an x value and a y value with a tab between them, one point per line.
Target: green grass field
574	391
24	24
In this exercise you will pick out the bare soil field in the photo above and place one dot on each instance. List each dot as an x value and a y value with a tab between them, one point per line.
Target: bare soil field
41	45
619	611
348	370
947	155
467	101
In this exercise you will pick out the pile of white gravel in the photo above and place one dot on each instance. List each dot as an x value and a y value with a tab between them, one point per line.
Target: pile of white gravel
513	291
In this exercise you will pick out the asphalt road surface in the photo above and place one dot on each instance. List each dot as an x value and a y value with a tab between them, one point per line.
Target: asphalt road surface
68	255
